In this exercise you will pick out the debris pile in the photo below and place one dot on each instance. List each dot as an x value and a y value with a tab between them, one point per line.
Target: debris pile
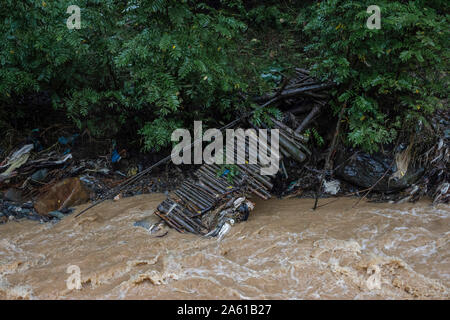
435	182
301	95
18	164
210	205
10	210
217	199
43	184
205	205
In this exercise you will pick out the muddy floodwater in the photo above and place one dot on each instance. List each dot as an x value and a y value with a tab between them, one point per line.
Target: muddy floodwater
284	251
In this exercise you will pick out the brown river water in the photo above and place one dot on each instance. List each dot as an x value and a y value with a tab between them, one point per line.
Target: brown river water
284	251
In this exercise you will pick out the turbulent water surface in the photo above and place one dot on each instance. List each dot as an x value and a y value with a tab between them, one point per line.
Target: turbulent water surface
284	251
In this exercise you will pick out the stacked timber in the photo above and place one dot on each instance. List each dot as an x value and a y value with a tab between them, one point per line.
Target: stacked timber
204	205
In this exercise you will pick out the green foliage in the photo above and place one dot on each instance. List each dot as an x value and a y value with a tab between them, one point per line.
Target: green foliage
158	132
177	61
389	78
39	53
317	137
145	64
264	116
141	68
230	171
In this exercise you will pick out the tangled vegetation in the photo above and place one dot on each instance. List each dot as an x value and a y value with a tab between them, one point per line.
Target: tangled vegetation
391	79
146	67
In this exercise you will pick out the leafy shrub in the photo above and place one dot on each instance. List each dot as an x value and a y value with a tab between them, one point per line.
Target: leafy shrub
177	62
39	53
141	68
146	63
391	78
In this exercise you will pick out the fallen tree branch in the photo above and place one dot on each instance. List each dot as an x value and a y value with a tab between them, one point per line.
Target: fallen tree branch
308	118
327	161
302	109
289	93
304	71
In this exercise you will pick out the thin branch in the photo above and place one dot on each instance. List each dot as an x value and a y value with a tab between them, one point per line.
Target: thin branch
327	161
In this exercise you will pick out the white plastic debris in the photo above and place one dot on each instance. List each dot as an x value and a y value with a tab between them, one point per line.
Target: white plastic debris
19	153
225	229
250	205
331	187
16	160
237	203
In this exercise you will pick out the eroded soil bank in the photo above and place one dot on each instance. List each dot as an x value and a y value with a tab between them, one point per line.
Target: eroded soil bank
284	251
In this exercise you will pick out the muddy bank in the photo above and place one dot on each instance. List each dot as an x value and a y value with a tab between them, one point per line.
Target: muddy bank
284	251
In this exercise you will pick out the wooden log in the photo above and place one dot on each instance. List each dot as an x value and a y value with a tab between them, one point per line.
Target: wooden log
292	149
308	119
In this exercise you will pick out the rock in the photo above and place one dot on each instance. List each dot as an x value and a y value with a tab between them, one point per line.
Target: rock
148	222
11	210
56	214
65	194
14	195
154	225
28	205
67	211
39	175
364	170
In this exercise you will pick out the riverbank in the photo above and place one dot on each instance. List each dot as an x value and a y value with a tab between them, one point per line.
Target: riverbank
284	251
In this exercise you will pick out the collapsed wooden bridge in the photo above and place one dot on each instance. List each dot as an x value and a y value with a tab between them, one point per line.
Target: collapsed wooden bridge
202	206
217	195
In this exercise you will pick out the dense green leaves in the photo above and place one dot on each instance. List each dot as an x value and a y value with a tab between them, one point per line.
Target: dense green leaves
177	56
148	63
389	78
148	66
